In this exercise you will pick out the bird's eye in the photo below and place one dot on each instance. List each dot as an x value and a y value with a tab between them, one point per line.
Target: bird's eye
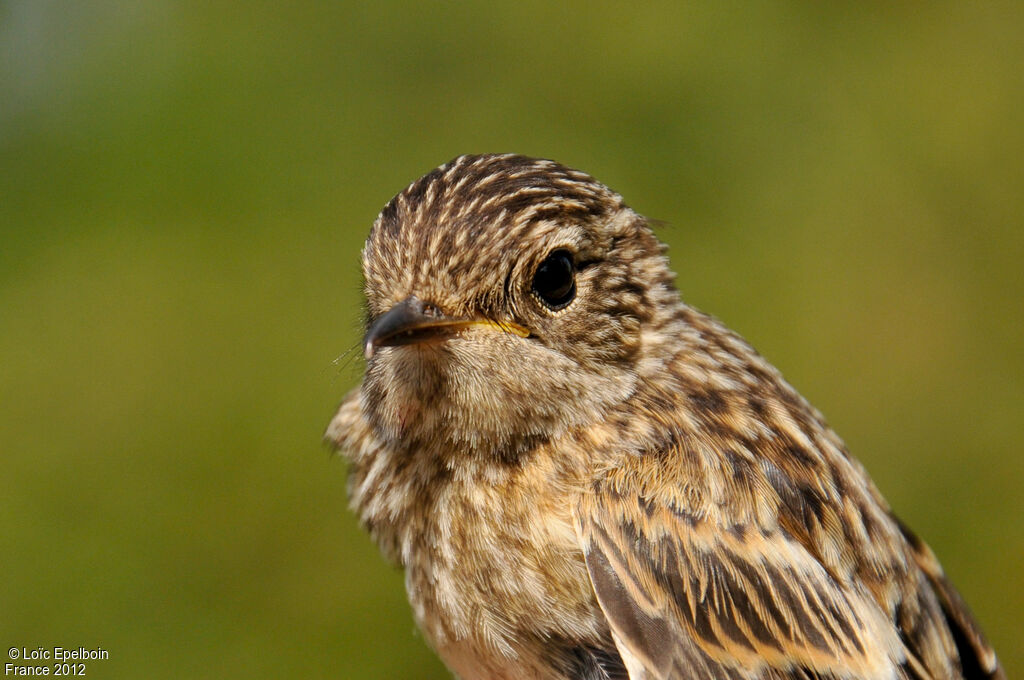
554	282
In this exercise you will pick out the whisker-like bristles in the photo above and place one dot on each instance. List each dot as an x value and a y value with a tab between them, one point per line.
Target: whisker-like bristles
346	361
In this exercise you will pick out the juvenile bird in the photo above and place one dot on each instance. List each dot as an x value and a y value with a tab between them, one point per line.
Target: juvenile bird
584	477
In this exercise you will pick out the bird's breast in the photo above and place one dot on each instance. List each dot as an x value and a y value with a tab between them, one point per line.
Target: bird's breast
495	573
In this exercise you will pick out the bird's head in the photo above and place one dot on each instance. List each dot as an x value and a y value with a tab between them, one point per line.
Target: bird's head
507	302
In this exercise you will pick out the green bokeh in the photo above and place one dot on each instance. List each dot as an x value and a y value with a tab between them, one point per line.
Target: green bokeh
184	188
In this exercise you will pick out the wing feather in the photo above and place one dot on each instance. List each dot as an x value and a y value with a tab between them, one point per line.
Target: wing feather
681	593
977	658
742	541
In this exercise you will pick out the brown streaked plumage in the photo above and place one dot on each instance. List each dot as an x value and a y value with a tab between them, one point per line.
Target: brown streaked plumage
583	477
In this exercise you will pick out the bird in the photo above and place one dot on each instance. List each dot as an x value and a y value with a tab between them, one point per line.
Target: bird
584	477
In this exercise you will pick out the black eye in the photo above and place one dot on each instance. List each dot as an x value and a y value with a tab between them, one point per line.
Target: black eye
554	282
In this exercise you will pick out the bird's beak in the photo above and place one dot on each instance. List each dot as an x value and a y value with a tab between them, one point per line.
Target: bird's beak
412	321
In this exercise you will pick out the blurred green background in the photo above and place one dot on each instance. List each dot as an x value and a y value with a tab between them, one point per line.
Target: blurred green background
184	189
